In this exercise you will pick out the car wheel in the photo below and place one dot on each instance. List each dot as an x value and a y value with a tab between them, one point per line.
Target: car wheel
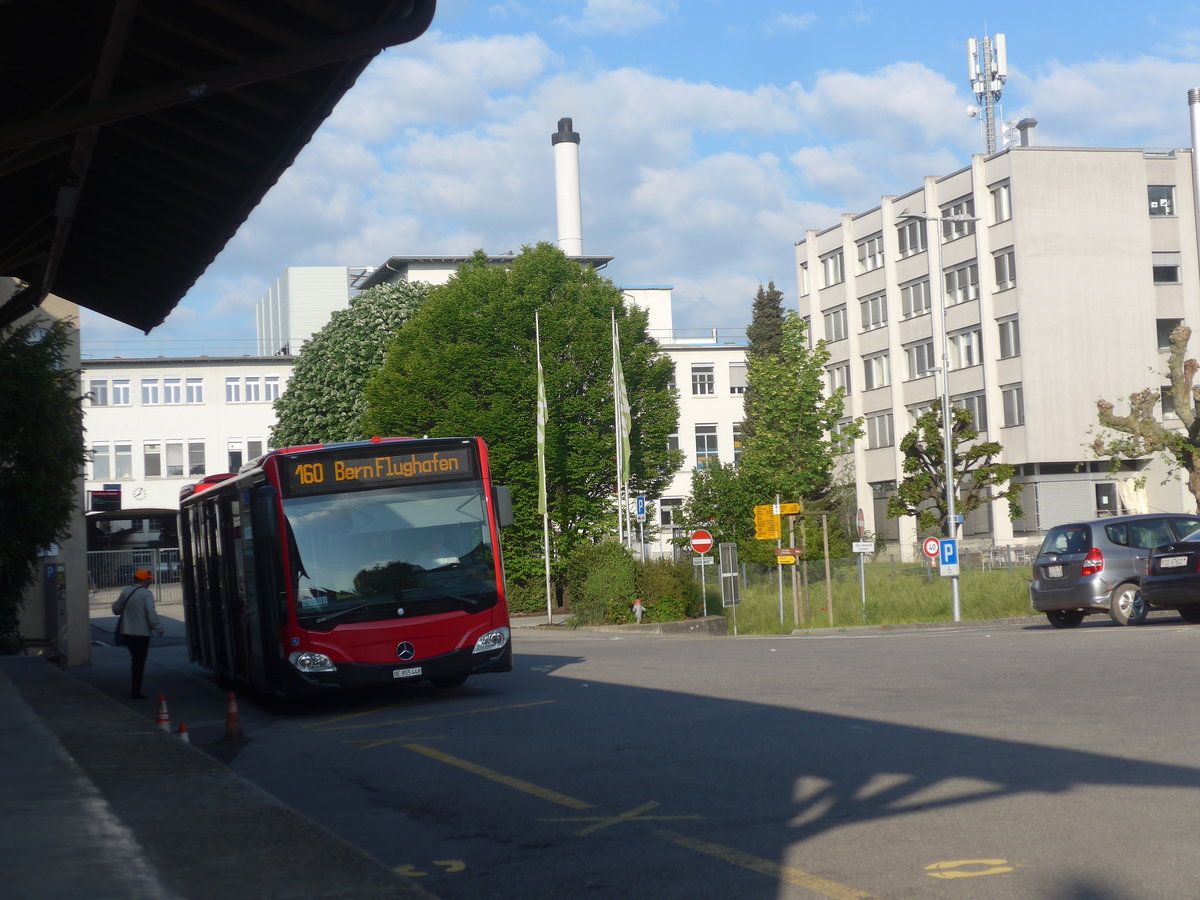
1126	606
1190	613
1064	618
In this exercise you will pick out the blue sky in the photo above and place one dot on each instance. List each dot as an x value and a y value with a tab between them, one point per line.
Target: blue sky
713	135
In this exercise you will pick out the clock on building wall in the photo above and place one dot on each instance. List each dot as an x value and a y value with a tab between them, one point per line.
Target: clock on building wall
139	493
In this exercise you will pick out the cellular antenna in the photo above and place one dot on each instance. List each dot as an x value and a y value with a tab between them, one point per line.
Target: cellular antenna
987	70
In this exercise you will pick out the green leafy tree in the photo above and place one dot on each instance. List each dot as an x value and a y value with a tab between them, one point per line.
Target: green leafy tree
465	364
764	339
41	456
978	478
324	400
1140	433
793	450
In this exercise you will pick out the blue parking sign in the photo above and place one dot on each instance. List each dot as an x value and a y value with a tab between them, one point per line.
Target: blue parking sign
949	557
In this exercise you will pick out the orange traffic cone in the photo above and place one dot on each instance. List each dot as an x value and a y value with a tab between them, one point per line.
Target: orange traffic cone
163	718
233	724
183	733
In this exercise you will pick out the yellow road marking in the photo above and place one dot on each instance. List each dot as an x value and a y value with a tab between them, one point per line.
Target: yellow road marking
320	726
764	867
953	868
634	815
500	778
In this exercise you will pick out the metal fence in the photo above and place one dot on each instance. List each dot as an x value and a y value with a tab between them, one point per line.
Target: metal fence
111	570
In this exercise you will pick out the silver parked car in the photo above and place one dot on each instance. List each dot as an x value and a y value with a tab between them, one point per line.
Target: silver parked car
1098	566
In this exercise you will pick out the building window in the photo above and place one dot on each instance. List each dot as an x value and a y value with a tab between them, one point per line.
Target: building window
877	372
835	324
194	390
1164	327
874	311
255	447
870	253
672	441
253	389
150	392
98	392
833	269
839	377
1006	269
1166	268
669	509
706	445
802	276
195	457
1162	199
912	237
965	349
953	230
1001	203
152	459
123	460
914	298
975	405
737	443
1168	402
920	359
101	462
121	392
1010	338
271	388
915	413
233	393
737	378
172	390
1014	405
962	284
879	431
702	380
175	459
237	455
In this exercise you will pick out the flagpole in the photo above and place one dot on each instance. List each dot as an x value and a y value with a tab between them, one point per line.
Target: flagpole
617	431
541	459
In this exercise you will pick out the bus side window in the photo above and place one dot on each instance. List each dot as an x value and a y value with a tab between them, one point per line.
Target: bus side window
504	506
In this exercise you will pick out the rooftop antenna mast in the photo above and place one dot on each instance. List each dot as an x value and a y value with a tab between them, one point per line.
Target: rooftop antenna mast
987	69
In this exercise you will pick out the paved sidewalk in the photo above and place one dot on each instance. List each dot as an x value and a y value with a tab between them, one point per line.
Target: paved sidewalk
100	804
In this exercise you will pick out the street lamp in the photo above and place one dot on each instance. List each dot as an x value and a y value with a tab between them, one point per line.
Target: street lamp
935	272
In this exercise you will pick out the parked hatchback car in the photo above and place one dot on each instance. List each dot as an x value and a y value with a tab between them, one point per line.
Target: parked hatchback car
1098	566
1173	578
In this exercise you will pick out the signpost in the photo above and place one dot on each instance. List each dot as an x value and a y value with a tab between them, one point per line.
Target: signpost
949	555
702	542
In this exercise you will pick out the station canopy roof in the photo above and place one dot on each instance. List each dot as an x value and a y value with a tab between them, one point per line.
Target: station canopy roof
136	136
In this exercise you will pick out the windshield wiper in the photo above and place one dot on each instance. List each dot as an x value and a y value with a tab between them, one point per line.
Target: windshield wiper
339	613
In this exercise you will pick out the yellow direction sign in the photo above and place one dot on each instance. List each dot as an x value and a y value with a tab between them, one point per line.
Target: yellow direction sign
766	523
786	560
790	509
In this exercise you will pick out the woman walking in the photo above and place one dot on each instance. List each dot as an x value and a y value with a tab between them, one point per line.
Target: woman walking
137	620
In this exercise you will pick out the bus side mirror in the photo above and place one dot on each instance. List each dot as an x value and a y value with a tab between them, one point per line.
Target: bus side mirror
504	507
266	524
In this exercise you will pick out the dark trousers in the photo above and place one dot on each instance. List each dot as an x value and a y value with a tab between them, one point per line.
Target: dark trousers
139	647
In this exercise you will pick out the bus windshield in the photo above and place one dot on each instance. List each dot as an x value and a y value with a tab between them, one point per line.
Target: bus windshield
391	552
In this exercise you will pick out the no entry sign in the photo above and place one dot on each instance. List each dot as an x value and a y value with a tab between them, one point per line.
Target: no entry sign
701	541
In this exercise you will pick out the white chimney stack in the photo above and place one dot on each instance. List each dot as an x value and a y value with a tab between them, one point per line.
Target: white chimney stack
566	188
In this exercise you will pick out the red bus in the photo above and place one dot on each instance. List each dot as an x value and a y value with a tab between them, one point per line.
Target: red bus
342	565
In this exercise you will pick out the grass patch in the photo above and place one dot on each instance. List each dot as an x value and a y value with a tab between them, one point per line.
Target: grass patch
896	594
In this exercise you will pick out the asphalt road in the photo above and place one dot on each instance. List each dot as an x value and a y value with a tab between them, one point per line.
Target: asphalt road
1013	761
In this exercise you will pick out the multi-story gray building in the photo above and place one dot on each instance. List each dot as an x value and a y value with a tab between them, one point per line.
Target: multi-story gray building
1049	277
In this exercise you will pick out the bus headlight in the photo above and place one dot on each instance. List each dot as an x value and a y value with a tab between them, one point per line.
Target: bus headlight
493	640
307	661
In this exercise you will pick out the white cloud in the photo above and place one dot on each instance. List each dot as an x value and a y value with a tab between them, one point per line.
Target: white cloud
791	22
618	16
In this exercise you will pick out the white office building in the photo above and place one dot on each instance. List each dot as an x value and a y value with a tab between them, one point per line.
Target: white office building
1050	278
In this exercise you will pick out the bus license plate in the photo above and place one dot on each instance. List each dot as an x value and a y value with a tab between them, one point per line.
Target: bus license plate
1172	562
1054	571
406	673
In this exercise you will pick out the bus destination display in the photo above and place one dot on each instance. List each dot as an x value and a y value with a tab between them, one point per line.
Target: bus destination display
398	465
